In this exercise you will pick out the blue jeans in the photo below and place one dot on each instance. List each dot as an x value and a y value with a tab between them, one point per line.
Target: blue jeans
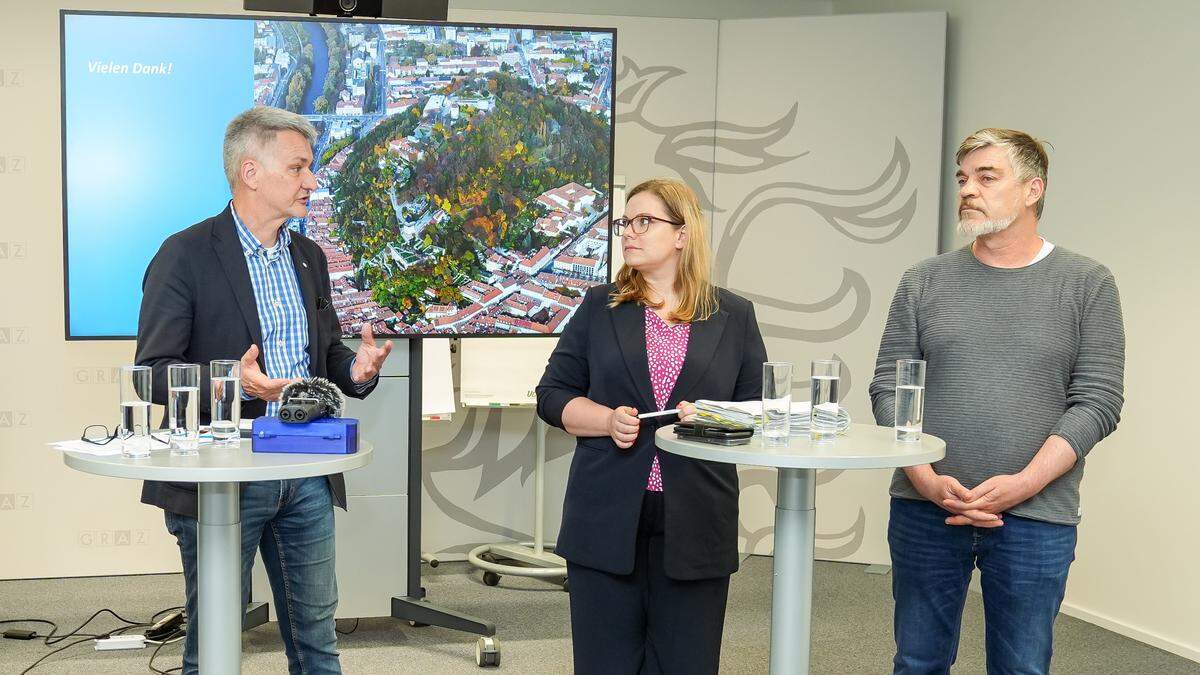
1023	571
291	523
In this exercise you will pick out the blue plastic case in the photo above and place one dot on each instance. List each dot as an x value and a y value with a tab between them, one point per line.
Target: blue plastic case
324	436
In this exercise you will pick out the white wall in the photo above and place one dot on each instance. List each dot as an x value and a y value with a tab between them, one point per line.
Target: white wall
1109	83
856	102
849	124
685	9
66	522
478	467
1112	85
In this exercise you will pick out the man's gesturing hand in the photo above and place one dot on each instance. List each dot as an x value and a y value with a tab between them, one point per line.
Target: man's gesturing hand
255	382
370	357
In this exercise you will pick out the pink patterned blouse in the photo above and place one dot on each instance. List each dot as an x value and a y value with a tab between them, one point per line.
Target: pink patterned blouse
666	347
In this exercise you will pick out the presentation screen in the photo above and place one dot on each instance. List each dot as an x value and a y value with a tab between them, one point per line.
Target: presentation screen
464	171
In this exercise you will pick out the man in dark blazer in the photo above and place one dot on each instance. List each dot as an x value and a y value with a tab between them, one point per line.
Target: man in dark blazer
240	284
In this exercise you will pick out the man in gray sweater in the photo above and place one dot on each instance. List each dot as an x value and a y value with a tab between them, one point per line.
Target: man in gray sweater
1025	352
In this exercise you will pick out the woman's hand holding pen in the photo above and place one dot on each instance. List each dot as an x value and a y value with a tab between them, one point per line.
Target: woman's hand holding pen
623	425
624	422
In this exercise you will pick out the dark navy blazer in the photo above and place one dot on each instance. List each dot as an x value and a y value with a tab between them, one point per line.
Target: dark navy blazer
602	356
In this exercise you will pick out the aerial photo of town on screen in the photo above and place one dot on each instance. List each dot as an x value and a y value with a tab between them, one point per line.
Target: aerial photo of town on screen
464	172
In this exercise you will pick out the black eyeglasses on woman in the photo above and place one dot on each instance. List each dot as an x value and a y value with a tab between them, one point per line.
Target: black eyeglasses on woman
639	224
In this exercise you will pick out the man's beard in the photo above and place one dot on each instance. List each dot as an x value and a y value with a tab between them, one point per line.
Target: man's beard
979	228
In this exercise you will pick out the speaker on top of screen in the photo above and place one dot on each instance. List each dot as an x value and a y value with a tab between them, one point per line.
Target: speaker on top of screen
422	10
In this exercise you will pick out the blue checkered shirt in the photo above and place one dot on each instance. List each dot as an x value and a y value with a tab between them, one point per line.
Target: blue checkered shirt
281	314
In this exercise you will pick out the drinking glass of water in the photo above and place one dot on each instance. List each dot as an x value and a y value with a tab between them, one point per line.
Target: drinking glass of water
776	402
134	385
910	399
183	407
823	419
226	403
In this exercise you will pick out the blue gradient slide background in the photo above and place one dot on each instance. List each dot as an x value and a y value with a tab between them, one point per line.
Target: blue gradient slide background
143	151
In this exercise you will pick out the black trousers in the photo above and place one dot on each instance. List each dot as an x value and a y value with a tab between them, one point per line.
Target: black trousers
646	622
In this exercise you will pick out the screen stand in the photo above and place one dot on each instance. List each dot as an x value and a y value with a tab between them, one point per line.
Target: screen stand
413	607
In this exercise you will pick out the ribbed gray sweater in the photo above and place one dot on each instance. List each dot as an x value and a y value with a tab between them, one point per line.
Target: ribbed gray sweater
1012	356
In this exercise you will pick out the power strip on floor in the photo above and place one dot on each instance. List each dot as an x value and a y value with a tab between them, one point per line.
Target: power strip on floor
121	642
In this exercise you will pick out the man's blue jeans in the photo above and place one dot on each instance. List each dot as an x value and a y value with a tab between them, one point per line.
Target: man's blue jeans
291	523
1023	571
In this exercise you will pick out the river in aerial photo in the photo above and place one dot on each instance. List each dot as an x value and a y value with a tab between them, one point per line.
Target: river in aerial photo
316	35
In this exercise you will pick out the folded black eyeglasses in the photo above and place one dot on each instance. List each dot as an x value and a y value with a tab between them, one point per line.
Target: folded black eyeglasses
98	434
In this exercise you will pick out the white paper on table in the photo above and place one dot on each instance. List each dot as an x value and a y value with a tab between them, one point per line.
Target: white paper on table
755	407
110	448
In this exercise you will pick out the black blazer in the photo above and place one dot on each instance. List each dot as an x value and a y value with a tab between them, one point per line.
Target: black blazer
198	305
602	356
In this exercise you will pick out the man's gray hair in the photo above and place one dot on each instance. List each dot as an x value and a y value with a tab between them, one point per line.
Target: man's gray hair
251	131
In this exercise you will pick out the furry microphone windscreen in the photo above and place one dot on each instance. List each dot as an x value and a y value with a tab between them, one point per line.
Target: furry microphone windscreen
318	388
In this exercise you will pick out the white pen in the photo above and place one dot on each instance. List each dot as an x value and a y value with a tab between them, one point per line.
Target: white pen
660	413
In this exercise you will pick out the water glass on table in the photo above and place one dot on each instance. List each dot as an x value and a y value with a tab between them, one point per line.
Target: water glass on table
910	399
134	384
776	402
823	417
226	385
183	408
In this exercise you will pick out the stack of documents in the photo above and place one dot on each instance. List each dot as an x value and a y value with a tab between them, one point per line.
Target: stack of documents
113	447
749	414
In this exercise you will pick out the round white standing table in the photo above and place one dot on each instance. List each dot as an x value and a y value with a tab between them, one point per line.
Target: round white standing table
217	471
863	446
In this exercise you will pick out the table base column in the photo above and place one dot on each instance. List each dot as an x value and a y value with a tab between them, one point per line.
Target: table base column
791	601
219	578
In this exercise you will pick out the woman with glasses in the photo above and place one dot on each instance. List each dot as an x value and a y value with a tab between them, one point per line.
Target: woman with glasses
650	538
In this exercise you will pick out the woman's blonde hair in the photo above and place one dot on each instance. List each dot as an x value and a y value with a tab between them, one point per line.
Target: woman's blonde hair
693	279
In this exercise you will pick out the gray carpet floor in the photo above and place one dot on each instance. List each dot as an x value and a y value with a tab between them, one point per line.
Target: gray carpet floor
851	634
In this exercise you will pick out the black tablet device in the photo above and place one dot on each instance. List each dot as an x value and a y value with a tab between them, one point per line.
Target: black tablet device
708	432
